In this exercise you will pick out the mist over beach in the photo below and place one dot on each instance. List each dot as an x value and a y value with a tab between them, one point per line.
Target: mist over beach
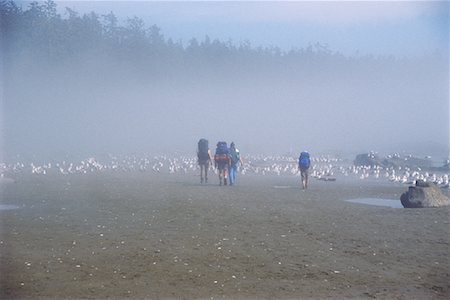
88	83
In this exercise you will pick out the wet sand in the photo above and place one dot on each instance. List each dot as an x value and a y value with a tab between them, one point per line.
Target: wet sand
159	236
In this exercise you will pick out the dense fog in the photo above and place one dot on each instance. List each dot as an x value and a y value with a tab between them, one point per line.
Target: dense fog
82	84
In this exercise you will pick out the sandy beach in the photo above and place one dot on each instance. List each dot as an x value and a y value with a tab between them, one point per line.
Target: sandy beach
159	236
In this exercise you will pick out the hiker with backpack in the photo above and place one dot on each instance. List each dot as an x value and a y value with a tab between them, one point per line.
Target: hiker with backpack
304	163
204	159
235	158
222	161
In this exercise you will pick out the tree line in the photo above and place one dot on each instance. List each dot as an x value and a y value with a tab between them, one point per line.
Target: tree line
40	34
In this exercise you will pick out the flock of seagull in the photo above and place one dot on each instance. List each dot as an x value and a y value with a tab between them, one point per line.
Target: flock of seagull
326	167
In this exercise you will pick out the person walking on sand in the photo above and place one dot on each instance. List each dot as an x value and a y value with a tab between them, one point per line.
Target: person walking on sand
204	159
304	162
222	161
235	158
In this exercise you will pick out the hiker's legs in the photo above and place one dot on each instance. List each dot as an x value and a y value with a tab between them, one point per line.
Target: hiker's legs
306	179
232	174
225	175
220	175
204	166
201	172
206	172
304	174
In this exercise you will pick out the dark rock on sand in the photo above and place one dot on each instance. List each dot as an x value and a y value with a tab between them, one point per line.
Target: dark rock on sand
367	159
424	194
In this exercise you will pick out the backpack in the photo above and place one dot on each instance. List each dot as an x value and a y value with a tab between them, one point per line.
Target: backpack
304	161
235	156
221	152
222	148
203	149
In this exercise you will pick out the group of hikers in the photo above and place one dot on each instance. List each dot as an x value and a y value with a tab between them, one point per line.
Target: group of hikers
226	160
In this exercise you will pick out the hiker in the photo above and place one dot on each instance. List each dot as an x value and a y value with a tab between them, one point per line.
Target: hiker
222	161
235	158
204	159
303	165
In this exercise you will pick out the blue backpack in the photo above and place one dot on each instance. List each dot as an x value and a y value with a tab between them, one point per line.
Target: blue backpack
222	148
304	161
221	155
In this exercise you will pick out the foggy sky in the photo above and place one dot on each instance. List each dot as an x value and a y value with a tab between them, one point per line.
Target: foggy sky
331	110
97	106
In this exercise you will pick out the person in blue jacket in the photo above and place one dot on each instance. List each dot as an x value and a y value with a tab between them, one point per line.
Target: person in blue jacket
304	162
